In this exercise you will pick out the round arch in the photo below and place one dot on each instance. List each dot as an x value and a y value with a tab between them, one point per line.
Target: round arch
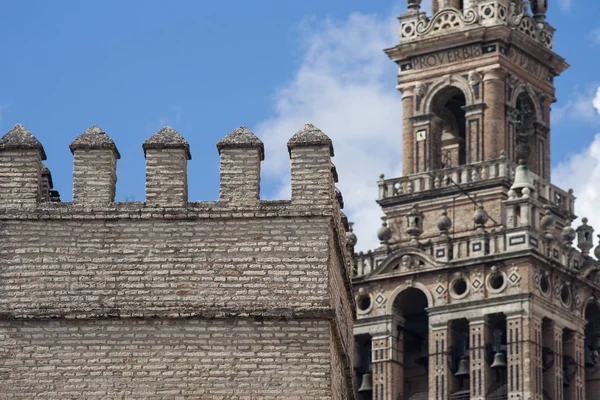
524	88
416	285
457	82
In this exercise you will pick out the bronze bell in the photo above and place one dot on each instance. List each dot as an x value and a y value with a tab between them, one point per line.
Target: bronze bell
499	361
366	384
463	368
589	358
566	382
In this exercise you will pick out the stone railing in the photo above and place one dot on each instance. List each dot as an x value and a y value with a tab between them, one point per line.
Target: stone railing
472	173
447	177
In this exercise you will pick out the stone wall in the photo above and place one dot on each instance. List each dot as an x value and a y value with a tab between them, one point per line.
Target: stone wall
240	298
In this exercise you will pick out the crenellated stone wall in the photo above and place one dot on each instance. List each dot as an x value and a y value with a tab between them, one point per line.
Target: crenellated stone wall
239	298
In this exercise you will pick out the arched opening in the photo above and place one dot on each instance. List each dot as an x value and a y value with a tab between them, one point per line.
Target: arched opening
411	307
592	349
363	367
449	146
525	119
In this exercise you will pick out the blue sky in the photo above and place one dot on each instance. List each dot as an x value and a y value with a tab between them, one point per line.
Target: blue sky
204	68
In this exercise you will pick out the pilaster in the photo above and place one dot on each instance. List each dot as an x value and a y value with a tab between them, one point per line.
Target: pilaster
408	108
494	96
479	336
440	376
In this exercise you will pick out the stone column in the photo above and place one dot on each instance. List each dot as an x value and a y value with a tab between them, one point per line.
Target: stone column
479	336
494	127
440	376
408	139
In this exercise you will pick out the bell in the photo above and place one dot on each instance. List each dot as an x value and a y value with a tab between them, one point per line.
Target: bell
522	178
422	358
499	361
366	384
589	358
566	382
463	368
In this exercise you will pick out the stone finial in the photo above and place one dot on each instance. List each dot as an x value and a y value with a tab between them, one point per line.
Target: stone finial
444	222
585	240
384	233
414	5
350	235
547	221
597	250
94	138
568	235
310	135
20	138
167	138
539	9
480	216
241	137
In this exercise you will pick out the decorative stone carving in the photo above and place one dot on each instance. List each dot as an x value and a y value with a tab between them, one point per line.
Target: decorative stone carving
414	224
407	262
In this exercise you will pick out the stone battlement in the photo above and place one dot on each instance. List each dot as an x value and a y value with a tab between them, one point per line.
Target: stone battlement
26	183
211	287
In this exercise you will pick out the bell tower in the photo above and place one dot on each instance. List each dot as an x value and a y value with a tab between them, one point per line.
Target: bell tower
477	290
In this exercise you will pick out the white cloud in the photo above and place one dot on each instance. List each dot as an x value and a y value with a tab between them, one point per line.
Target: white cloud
565	4
581	172
594	37
344	86
579	107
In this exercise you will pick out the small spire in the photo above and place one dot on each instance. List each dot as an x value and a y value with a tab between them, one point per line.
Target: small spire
310	135
241	137
167	138
94	138
585	239
20	138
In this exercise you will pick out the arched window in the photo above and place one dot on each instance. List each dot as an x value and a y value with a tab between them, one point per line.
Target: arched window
525	119
449	146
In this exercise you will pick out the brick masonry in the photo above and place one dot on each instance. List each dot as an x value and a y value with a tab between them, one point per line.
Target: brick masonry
236	299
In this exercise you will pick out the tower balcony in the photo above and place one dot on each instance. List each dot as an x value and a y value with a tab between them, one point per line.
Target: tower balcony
465	178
